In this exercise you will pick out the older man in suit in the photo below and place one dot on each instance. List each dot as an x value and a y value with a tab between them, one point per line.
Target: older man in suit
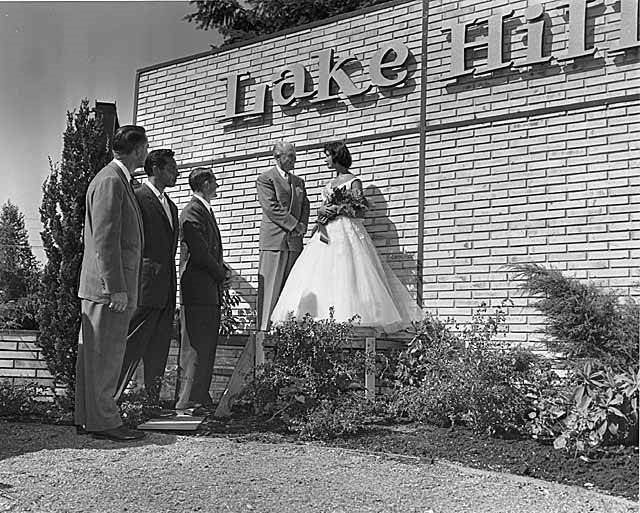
151	326
285	216
113	242
202	277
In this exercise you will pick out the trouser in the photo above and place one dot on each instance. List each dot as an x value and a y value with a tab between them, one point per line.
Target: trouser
148	340
199	338
273	270
101	348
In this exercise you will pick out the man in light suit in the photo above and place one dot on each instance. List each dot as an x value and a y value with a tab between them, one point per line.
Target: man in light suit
113	242
285	216
151	326
202	277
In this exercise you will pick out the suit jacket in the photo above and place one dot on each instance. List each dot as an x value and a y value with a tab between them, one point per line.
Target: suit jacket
284	205
158	274
113	238
202	269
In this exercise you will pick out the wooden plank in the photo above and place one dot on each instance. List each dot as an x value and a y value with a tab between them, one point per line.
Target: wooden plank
370	372
243	371
177	423
260	338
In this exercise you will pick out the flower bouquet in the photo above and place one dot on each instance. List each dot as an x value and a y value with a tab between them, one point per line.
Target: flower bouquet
345	203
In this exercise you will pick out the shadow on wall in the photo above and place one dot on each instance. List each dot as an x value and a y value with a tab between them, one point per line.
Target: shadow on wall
249	295
385	237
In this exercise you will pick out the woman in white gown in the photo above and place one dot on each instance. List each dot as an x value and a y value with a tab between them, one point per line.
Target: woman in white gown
346	272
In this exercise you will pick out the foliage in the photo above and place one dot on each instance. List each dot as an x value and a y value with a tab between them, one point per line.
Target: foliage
466	377
583	320
62	212
596	406
21	399
18	267
19	314
238	21
310	375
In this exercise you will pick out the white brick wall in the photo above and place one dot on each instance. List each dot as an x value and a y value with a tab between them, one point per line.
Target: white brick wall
529	172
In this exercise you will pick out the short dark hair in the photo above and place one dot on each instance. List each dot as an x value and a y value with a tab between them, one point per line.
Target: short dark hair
127	138
198	177
158	158
339	153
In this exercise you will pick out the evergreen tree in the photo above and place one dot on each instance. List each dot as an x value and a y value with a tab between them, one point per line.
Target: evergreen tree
18	266
85	151
241	20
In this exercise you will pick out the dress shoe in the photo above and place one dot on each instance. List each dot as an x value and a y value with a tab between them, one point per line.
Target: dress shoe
119	434
80	430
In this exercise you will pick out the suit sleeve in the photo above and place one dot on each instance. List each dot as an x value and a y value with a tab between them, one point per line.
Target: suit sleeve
199	253
106	218
304	216
271	206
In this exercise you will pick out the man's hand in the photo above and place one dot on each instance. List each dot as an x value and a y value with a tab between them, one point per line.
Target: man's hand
227	277
300	229
118	301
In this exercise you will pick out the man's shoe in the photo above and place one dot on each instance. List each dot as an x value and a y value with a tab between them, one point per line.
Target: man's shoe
119	434
80	430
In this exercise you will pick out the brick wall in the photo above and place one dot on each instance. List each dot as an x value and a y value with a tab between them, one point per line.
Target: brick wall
21	360
522	165
537	166
179	105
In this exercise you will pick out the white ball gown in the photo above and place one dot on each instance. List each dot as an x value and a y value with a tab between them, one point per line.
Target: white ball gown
347	274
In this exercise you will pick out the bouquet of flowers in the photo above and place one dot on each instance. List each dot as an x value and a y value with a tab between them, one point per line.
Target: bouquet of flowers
344	203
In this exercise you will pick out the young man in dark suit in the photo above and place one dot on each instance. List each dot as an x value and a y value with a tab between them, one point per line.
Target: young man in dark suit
202	277
150	328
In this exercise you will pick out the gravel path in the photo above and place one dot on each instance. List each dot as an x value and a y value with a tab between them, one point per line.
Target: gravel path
50	469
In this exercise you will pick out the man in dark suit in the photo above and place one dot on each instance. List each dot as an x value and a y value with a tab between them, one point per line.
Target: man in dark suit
285	216
202	277
113	242
151	326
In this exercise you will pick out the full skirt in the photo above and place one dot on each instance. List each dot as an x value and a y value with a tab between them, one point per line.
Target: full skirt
348	275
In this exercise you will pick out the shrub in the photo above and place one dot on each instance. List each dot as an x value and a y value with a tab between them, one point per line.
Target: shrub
85	152
584	321
310	375
19	314
595	406
465	377
21	399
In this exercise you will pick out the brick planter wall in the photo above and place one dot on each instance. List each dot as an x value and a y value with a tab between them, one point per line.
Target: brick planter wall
20	358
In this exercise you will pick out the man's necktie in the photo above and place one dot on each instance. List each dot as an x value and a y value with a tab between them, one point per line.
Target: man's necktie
165	206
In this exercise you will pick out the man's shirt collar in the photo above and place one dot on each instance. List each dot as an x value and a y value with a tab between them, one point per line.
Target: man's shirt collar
127	175
203	201
283	173
148	183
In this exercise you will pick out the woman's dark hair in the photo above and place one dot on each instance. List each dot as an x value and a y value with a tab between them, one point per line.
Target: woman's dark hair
158	158
339	153
127	138
198	177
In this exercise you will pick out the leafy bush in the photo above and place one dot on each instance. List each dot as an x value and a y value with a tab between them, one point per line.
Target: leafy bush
310	385
595	407
465	377
19	314
584	321
22	399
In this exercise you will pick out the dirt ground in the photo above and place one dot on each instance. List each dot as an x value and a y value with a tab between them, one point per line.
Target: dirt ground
47	468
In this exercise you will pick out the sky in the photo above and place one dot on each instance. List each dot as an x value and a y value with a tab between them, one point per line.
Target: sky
54	54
